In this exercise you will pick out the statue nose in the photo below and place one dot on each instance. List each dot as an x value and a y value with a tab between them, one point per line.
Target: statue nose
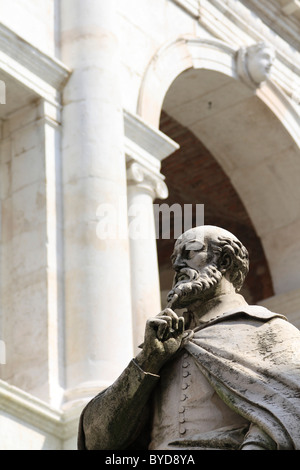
179	263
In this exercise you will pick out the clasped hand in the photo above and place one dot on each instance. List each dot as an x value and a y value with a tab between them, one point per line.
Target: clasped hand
163	338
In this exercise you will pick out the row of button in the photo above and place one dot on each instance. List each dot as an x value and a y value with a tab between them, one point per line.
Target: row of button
185	385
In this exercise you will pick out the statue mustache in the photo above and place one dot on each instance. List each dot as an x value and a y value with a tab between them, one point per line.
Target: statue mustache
182	278
189	282
185	275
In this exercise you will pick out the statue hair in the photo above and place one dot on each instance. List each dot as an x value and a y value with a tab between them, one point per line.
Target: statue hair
239	256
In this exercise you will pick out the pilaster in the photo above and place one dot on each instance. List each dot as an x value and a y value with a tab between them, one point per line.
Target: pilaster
30	259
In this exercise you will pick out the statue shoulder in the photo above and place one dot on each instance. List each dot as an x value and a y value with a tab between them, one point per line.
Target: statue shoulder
262	313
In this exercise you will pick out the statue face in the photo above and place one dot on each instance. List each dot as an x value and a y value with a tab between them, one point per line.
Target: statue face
196	272
190	253
260	63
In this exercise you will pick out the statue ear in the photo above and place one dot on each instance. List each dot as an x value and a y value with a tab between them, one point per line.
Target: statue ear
225	262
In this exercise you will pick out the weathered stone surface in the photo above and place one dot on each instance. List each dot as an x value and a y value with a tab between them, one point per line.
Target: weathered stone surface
224	375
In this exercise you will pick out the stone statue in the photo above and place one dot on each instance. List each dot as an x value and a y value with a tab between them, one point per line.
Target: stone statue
221	375
254	63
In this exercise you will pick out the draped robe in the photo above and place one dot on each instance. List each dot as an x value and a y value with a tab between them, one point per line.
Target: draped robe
250	356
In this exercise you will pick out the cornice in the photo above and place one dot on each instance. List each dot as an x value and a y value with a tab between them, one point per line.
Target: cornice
190	6
249	25
291	7
145	147
280	16
145	144
35	412
23	61
238	24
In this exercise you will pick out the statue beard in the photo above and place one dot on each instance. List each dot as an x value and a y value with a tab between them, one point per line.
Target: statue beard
191	285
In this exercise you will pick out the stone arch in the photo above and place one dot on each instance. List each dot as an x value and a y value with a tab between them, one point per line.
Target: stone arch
188	52
262	163
171	60
193	176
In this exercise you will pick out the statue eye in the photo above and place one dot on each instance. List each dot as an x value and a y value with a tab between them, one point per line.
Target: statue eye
195	246
193	252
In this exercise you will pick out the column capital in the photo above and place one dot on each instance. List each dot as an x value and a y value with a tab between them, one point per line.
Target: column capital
150	181
144	143
145	148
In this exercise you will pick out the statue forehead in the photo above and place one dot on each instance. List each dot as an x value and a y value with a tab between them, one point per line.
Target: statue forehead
261	48
189	237
200	235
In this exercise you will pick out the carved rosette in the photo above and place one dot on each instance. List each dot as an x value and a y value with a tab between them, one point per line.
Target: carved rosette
144	179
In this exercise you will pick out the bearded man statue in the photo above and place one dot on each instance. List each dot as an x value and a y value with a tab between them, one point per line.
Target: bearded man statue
221	375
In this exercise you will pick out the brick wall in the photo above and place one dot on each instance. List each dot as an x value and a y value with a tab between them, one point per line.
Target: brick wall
193	176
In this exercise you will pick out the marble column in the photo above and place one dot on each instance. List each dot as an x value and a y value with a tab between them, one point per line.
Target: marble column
98	324
143	187
145	148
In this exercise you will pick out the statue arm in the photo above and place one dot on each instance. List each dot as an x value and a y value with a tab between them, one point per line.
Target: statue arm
114	418
257	439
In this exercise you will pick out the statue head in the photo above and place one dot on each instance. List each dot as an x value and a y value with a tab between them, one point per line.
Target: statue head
254	63
202	257
260	58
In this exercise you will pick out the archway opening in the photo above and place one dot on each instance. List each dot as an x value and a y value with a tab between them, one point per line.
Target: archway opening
195	176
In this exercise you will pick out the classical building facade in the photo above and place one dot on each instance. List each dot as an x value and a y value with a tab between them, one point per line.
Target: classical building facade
112	106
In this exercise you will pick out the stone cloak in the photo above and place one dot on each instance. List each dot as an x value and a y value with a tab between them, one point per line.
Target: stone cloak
252	360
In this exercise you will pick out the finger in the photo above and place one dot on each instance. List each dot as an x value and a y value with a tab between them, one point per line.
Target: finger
168	330
157	326
180	325
166	318
170	313
161	330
